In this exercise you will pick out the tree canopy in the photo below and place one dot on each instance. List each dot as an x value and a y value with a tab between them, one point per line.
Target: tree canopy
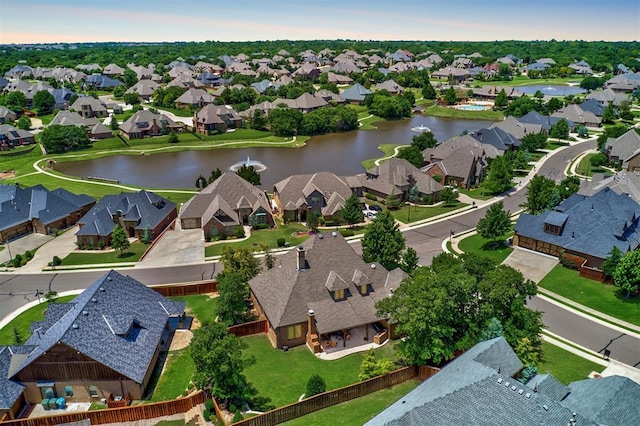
43	102
233	290
249	174
57	138
352	213
119	239
627	273
383	242
496	222
500	176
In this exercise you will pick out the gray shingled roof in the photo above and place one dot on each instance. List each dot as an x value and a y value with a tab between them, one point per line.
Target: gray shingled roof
395	174
290	190
624	146
594	225
496	137
145	207
10	391
286	294
97	321
516	128
356	93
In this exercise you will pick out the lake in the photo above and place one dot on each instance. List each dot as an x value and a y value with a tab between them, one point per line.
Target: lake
551	90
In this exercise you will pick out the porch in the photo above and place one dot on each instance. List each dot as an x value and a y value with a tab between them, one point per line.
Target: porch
335	345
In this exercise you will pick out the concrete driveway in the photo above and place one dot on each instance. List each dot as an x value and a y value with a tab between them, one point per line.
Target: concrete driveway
533	265
60	246
176	247
22	244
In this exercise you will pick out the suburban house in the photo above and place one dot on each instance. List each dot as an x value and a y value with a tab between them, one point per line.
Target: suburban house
321	287
577	115
333	78
452	73
137	212
104	342
592	105
7	116
307	71
492	92
94	127
113	69
194	98
544	121
323	193
11	137
497	138
390	86
584	226
144	89
305	102
145	123
461	161
224	204
516	128
624	150
36	209
355	94
397	176
88	106
99	81
479	388
216	118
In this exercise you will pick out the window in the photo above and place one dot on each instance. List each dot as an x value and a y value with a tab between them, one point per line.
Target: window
338	294
364	289
93	391
315	200
551	229
294	331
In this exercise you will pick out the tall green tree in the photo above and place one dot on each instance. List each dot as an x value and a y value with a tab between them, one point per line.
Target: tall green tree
410	260
412	154
233	292
215	174
240	260
560	130
352	213
57	138
609	114
424	140
533	141
15	101
448	195
501	99
539	195
428	92
23	123
43	102
249	174
313	221
496	222
450	96
285	121
500	176
220	364
131	98
383	242
119	239
611	262
627	273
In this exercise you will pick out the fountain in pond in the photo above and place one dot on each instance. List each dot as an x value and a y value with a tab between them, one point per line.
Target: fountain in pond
420	129
260	167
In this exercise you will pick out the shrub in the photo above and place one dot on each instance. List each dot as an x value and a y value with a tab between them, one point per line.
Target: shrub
347	233
237	416
238	231
260	226
371	196
427	199
280	242
437	178
569	262
315	385
56	261
527	373
28	255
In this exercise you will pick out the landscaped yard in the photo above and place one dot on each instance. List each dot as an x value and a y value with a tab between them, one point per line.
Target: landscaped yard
565	366
604	298
175	378
475	193
357	411
556	144
387	150
445	112
23	321
479	245
586	169
201	306
93	257
269	237
282	376
409	214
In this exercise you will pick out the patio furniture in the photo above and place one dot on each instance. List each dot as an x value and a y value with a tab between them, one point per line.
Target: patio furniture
53	404
45	404
61	403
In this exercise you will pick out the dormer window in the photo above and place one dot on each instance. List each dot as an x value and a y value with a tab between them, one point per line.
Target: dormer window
338	294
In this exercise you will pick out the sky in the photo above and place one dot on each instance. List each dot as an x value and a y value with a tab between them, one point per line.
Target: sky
55	21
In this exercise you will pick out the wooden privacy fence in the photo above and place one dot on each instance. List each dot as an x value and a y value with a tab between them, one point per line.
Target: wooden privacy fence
186	289
337	396
118	415
249	328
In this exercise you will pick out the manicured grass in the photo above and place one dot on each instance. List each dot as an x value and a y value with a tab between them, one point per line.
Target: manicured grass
268	237
175	378
357	411
604	298
556	144
282	376
537	155
180	112
46	119
565	366
586	169
478	245
367	123
387	150
201	306
23	321
445	112
526	81
132	254
475	193
415	213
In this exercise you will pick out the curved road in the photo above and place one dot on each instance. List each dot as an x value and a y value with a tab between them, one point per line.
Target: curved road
15	290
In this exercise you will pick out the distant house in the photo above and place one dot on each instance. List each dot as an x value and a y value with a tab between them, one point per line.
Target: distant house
452	73
194	98
497	138
492	92
104	342
7	116
144	123
516	128
99	81
307	71
323	287
623	83
11	137
36	209
479	387
544	121
216	118
607	96
390	86
113	69
577	115
93	126
593	106
224	204
137	212
305	102
333	78
582	68
584	226
397	176
323	193
355	94
144	89
184	80
624	149
88	106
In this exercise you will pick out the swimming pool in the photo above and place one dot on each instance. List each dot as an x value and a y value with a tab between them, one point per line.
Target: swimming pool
471	107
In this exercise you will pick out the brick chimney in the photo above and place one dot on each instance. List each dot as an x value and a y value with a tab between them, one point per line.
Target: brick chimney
302	262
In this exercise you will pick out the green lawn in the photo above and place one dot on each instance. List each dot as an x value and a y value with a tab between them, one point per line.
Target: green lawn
23	321
263	236
556	144
282	376
367	123
357	411
445	112
387	150
604	298
565	366
478	245
180	112
585	168
175	378
475	193
132	254
415	213
526	81
201	306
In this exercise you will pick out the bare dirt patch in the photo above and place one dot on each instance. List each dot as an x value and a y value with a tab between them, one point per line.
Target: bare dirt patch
7	174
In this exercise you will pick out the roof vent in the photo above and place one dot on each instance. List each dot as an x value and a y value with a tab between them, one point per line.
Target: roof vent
506	384
109	278
94	300
520	391
527	395
101	288
311	312
320	236
513	388
75	326
499	379
334	234
373	266
546	408
85	312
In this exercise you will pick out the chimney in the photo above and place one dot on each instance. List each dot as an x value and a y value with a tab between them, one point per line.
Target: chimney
302	262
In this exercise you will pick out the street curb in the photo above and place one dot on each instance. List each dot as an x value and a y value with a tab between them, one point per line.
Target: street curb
574	348
13	314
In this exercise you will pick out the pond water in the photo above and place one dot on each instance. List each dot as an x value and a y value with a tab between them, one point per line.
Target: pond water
551	90
340	153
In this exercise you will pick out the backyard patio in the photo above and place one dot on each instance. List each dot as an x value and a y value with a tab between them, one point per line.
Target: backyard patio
335	346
